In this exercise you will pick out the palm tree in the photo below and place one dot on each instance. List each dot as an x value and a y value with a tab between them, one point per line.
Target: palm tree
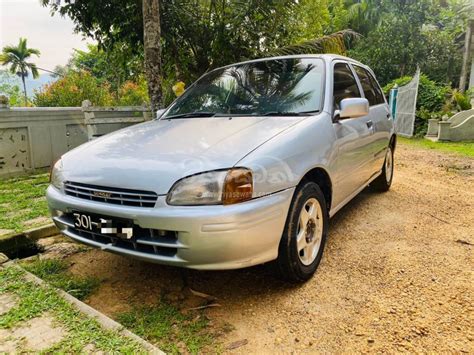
17	58
335	43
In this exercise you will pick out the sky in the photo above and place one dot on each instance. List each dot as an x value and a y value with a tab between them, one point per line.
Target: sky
53	36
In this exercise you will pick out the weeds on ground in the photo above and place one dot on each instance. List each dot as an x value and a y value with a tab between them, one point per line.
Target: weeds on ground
22	199
166	326
34	300
462	148
55	273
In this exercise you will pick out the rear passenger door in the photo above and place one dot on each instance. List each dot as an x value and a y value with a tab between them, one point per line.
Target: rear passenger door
379	115
353	137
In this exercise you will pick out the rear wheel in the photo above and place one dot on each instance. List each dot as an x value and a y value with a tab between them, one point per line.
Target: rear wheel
304	236
384	181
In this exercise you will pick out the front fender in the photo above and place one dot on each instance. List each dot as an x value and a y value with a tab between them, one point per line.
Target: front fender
282	161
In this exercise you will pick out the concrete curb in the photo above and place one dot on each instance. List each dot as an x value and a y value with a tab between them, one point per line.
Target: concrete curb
104	321
41	232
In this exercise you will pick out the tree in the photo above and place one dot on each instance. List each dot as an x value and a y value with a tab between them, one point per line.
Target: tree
17	58
152	49
413	33
335	43
199	35
115	65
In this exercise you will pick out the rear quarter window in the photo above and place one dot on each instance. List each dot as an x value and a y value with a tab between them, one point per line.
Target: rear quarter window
371	88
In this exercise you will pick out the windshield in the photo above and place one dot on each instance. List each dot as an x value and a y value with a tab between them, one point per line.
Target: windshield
271	87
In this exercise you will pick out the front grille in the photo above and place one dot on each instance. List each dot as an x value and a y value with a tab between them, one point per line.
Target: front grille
111	195
145	240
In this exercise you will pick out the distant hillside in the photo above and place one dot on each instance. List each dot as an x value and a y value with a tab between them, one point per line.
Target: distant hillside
32	84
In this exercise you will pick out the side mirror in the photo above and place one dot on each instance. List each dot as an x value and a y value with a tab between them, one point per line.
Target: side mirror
353	108
160	113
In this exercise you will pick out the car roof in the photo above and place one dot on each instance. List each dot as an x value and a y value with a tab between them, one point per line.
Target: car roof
326	57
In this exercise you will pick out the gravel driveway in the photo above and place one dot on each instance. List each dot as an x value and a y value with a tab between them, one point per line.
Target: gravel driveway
397	274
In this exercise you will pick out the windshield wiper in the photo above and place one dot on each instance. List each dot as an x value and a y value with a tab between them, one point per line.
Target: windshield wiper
289	113
191	115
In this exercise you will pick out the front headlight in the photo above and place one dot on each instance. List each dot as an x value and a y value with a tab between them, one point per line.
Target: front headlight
213	188
56	177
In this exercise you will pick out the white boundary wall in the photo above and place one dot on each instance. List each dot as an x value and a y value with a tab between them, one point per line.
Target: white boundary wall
32	138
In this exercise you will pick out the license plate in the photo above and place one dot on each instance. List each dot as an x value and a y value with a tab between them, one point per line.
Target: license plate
103	225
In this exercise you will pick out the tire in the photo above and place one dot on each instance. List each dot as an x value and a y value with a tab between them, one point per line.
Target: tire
298	263
383	182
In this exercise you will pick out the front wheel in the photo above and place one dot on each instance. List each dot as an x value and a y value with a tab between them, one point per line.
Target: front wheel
304	236
384	181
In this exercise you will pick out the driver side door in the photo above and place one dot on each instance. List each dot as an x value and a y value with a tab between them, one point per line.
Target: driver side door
353	138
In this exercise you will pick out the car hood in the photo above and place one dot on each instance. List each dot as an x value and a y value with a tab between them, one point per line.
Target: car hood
152	156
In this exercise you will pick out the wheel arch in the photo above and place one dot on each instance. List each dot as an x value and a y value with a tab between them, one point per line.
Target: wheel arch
393	142
321	177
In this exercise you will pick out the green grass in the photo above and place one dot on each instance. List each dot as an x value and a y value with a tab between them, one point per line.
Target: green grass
55	273
22	199
462	148
34	300
166	326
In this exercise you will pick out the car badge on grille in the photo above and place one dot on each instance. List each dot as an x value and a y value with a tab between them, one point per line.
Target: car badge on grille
102	194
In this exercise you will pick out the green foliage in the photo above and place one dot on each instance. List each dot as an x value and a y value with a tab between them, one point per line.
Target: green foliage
338	16
434	100
114	65
334	43
198	36
431	99
431	96
404	35
312	19
461	101
397	36
133	93
10	87
167	326
72	89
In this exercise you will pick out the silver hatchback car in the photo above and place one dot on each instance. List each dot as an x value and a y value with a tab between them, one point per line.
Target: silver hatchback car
246	167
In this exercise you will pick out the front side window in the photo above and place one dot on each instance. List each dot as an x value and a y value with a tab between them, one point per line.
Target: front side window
269	87
345	84
371	89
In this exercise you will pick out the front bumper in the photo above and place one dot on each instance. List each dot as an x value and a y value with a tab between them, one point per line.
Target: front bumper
208	237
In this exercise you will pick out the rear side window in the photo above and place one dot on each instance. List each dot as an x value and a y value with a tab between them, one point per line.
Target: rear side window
345	84
372	91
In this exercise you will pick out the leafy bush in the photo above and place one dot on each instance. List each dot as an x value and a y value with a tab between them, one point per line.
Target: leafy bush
460	101
431	101
10	87
133	94
72	89
431	95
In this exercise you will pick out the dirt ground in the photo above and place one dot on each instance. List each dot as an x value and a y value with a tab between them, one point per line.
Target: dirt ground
397	274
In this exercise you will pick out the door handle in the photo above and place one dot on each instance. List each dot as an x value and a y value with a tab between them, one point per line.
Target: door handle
370	124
